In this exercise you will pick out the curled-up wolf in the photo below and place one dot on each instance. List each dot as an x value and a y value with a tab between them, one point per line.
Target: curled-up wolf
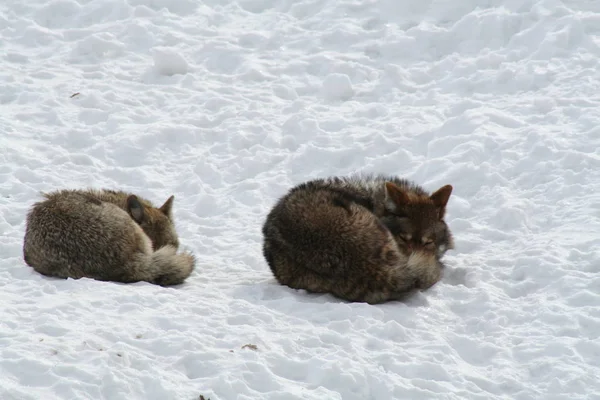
107	235
370	238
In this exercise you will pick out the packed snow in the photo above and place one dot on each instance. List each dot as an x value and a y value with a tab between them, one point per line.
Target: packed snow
226	105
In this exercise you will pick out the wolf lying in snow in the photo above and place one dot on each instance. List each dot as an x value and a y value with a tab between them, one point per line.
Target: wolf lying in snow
368	239
106	235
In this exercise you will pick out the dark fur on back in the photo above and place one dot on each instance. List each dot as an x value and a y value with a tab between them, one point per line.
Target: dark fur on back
366	238
107	235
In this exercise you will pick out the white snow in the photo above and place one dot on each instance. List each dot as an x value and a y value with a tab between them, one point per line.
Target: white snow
337	86
168	62
226	105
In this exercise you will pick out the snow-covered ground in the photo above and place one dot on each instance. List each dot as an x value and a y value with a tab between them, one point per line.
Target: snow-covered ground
226	105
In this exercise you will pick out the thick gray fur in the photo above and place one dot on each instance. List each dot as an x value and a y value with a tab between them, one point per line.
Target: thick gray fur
107	235
369	238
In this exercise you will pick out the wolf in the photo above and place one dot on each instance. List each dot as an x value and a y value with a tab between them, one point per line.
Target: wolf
362	238
104	234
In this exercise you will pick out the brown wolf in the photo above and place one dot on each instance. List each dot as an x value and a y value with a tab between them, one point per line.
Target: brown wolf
106	235
369	238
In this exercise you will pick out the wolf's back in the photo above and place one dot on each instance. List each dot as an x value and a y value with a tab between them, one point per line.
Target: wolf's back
323	236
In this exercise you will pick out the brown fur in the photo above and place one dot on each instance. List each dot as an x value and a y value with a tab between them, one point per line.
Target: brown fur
368	239
106	235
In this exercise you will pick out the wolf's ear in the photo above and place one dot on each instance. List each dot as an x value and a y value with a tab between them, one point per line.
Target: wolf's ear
135	208
440	198
167	208
395	196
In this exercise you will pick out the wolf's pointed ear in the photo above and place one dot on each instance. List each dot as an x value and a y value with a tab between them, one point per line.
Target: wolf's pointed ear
167	208
395	196
135	208
440	198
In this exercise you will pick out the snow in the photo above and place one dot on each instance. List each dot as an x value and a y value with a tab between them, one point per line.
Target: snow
168	62
226	105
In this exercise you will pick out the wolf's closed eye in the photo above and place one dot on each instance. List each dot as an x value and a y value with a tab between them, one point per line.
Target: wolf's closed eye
428	243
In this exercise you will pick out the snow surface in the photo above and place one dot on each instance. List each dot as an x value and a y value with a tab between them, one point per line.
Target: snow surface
226	105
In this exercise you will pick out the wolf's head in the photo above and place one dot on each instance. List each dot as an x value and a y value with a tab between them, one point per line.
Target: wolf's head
157	223
417	221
